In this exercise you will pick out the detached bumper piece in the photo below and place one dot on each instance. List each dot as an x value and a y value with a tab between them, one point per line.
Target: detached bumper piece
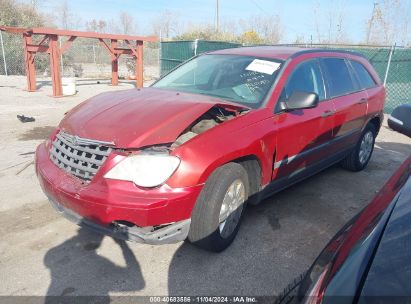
166	234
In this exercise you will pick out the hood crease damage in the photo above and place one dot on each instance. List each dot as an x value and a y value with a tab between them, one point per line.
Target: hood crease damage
210	119
135	120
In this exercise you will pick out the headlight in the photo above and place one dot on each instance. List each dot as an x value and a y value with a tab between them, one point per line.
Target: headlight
145	170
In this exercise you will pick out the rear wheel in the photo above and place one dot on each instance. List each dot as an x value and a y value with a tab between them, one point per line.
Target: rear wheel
358	159
220	206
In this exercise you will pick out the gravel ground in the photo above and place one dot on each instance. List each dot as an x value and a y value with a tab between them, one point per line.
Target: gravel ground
44	254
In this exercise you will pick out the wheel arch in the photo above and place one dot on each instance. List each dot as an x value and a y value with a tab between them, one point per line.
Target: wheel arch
376	121
252	165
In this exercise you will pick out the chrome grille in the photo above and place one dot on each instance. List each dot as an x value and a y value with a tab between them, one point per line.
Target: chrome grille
79	156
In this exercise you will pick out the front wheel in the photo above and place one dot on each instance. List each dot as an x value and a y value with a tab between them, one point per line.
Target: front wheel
358	159
220	206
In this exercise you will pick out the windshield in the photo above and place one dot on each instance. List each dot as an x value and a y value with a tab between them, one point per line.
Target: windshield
242	79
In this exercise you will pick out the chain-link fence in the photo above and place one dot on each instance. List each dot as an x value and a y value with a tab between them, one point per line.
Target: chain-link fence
86	58
11	54
392	64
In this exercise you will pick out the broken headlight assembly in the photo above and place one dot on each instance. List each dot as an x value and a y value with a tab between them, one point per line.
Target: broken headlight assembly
145	170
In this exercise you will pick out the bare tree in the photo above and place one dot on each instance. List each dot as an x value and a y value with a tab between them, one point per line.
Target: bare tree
377	27
96	26
35	4
405	29
268	27
127	25
65	15
329	23
166	24
340	17
389	22
208	32
66	19
316	20
299	39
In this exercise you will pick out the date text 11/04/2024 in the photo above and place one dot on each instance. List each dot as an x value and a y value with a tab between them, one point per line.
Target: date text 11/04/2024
204	299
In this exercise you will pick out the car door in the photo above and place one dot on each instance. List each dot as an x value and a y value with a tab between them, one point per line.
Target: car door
375	92
350	102
303	134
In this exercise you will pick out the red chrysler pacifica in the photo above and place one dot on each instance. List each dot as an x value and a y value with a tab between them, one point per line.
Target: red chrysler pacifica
181	159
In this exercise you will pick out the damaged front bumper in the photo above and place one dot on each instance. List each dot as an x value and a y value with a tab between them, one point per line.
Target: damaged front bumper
118	208
167	234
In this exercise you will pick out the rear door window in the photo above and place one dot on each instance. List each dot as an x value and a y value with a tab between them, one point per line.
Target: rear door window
338	77
364	77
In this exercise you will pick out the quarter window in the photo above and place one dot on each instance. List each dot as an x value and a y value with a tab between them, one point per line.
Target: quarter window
364	77
339	78
306	77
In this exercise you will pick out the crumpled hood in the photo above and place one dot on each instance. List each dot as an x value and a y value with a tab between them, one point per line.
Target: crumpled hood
137	118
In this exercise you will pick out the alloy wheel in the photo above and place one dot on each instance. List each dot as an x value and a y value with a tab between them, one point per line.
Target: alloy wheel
366	147
231	208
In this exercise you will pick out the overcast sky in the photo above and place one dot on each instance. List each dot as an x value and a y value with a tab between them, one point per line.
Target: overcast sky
297	17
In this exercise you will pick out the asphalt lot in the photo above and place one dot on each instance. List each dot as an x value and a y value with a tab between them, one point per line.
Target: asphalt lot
44	254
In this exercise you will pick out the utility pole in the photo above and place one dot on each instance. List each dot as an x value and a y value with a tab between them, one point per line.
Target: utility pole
4	56
217	16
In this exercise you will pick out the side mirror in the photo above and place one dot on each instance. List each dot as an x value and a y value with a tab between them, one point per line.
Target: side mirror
300	100
400	119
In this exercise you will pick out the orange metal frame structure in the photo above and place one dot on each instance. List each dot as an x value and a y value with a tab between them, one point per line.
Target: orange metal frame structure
49	44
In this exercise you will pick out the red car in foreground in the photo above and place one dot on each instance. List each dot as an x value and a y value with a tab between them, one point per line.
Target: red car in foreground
180	159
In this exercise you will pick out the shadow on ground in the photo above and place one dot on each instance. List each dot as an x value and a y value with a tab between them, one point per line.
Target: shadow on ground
75	266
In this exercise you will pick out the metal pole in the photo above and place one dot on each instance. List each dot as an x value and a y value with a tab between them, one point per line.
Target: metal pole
139	65
94	54
114	64
389	64
159	55
4	56
195	47
61	58
55	66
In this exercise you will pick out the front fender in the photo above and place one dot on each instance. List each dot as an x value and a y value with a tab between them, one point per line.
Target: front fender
206	152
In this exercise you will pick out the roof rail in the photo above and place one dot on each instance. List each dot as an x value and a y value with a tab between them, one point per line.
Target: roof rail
308	51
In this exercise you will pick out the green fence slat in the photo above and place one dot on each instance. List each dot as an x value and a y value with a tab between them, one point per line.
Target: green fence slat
174	53
207	46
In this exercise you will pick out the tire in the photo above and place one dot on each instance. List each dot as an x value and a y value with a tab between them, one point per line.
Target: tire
206	231
354	161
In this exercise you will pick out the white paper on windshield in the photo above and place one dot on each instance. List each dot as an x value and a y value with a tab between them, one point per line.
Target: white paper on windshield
263	66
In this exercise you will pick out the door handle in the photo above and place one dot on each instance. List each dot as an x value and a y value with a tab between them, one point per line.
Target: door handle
362	100
327	113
